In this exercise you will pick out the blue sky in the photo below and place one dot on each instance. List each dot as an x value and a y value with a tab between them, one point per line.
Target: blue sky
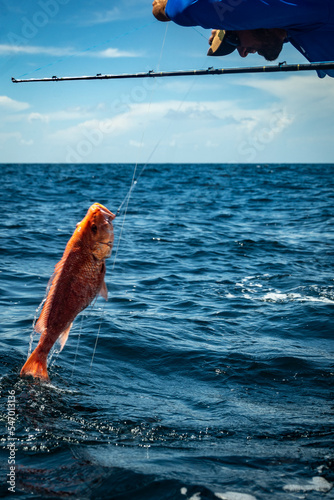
223	119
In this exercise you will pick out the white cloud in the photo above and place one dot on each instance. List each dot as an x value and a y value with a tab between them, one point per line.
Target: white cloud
9	50
114	53
297	90
309	102
38	117
70	114
136	144
9	104
25	142
7	139
213	119
110	52
93	130
219	126
198	111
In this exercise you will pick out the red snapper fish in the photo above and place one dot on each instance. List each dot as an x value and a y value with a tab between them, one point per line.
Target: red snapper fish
78	278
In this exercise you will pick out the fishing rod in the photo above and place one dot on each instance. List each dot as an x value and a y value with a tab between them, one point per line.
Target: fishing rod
281	67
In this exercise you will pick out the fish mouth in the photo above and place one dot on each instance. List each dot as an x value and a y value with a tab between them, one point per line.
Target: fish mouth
108	215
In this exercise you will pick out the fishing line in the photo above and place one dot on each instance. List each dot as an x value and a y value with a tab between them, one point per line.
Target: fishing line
135	179
33	333
162	47
201	34
97	338
134	182
79	337
78	342
127	198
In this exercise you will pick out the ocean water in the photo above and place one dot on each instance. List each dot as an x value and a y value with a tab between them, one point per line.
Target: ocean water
209	372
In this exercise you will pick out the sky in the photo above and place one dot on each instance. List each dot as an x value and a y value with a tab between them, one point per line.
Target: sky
260	118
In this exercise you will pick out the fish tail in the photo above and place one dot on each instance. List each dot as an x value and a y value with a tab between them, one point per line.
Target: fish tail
36	365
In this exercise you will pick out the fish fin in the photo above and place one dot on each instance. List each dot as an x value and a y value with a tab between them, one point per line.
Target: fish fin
104	290
36	366
40	325
63	337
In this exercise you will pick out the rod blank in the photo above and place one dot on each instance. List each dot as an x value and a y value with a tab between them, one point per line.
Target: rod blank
281	67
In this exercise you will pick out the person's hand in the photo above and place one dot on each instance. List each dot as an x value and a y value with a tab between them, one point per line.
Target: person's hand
159	10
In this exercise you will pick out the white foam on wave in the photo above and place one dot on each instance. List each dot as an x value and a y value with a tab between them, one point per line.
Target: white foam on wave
196	496
234	495
280	297
293	297
252	290
228	495
317	483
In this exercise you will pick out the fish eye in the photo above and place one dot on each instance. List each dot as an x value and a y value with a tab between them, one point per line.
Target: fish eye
94	228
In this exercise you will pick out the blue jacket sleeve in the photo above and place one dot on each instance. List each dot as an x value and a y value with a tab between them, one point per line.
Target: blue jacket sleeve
248	14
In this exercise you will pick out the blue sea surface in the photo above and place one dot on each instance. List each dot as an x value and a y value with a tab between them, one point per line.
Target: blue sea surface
212	376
